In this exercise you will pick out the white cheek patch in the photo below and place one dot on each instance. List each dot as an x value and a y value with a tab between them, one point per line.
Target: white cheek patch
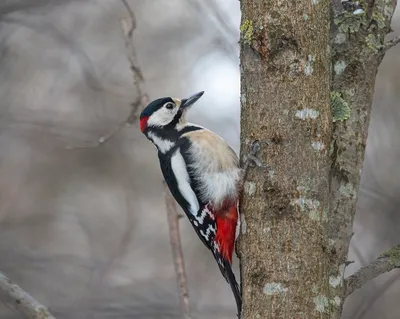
161	117
182	177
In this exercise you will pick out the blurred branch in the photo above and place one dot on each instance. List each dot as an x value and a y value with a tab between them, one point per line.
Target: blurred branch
131	15
175	240
384	263
142	99
172	212
22	301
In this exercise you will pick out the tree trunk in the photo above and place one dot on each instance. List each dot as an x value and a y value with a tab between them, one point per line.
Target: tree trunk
306	92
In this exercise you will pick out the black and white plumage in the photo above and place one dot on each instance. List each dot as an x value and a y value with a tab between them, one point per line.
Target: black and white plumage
203	175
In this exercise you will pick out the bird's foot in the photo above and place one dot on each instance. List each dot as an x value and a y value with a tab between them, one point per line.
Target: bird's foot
252	159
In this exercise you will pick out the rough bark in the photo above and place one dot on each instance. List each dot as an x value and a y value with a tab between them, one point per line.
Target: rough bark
308	90
285	70
357	49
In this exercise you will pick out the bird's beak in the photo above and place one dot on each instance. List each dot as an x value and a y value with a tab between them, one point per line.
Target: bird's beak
186	103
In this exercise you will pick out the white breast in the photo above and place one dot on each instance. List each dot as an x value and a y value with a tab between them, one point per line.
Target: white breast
215	165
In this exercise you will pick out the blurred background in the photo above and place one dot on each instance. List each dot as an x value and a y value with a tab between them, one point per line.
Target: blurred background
83	228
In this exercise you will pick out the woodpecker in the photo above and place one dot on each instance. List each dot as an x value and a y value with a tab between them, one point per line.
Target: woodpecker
203	174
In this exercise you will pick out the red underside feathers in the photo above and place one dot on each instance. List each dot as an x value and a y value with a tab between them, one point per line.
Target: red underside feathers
226	228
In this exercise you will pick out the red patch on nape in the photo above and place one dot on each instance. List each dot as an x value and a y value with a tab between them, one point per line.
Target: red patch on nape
226	230
143	123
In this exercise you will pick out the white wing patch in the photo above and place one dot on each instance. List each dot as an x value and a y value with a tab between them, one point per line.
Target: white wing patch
182	177
163	145
162	117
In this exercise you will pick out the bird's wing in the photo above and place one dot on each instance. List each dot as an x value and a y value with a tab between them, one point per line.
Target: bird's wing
174	169
179	183
205	225
216	231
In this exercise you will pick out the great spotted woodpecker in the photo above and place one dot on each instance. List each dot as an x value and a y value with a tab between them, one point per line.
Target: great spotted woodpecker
203	175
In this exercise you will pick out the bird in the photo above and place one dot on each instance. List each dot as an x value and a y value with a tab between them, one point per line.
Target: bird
203	175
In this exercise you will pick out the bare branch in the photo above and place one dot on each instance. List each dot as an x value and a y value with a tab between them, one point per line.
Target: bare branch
131	15
390	44
175	240
384	263
128	26
21	301
142	99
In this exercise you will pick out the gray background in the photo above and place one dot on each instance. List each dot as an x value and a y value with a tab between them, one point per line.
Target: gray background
84	230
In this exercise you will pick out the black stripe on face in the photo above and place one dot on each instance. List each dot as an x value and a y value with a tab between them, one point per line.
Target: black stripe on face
172	134
171	125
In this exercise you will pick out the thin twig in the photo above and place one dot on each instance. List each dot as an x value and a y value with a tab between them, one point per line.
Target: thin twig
21	301
384	263
131	15
128	26
138	80
175	240
142	99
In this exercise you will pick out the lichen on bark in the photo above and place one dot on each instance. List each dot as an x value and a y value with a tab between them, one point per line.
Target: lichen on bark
309	90
286	98
359	50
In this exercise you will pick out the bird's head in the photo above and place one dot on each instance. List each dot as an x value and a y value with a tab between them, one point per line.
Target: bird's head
166	112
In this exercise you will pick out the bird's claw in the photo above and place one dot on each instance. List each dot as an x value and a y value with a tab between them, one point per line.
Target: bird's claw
252	158
255	147
256	161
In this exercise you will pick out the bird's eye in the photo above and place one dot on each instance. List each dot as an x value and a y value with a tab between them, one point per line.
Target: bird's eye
169	105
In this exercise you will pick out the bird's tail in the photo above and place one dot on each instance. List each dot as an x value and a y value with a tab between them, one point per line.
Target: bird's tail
226	270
